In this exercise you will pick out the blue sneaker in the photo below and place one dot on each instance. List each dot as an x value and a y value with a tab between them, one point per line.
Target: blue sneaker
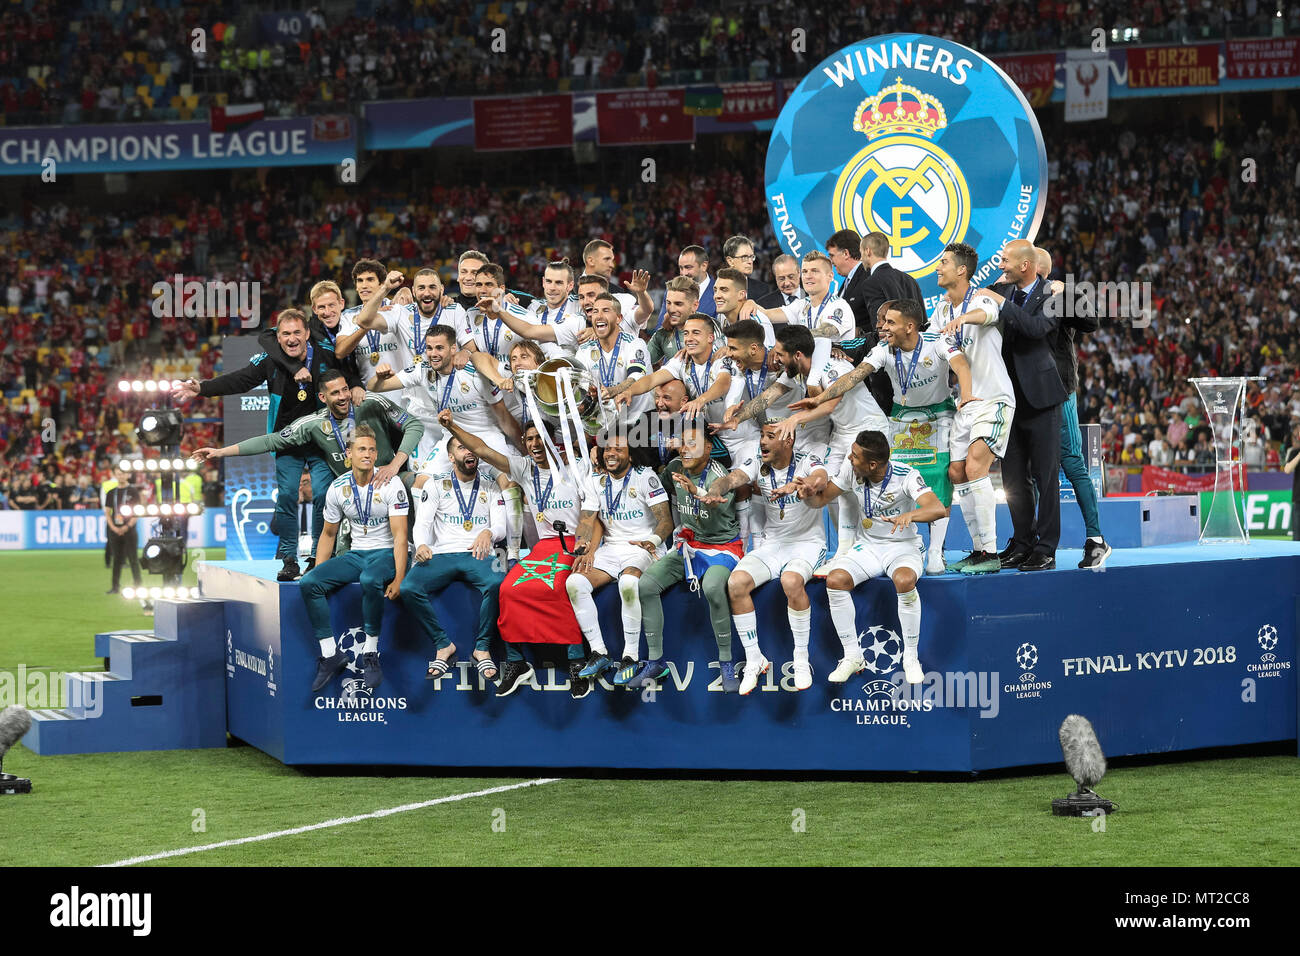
730	682
370	669
327	668
626	672
597	664
646	673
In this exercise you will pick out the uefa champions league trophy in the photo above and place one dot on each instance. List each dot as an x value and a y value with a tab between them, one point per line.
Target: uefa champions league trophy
1224	399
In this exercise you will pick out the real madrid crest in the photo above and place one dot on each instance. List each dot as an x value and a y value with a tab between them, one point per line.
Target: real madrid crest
446	484
631	492
482	497
464	387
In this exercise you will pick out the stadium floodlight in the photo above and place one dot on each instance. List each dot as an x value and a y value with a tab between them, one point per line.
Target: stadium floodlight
1087	765
151	464
137	386
138	464
138	510
178	464
165	556
124	386
128	593
160	426
155	593
150	385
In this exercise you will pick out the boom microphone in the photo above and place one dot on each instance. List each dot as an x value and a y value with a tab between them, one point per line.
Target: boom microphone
15	721
1086	764
562	527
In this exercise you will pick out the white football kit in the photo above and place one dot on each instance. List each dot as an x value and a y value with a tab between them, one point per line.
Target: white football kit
794	535
452	513
878	547
624	505
369	522
990	417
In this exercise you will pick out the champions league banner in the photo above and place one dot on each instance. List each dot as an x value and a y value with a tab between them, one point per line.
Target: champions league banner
922	139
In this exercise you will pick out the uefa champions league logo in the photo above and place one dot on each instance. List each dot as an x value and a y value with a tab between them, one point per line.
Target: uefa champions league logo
1267	637
885	652
352	645
1027	660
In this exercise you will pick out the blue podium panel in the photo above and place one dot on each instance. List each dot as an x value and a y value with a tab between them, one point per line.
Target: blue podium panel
1125	523
1160	652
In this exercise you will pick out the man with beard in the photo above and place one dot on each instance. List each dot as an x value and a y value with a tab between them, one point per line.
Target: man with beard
326	305
534	609
615	356
457	522
555	321
681	297
705	549
625	520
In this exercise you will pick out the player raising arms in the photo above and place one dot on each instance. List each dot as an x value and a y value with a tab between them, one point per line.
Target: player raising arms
893	497
377	559
791	545
917	364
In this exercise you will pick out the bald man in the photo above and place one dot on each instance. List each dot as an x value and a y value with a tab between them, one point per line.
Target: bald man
1034	441
1064	350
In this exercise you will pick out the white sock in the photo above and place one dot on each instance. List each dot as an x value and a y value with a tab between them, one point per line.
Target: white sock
1098	540
799	626
938	532
962	495
629	592
372	644
846	525
327	647
742	517
986	514
584	609
909	617
747	628
845	619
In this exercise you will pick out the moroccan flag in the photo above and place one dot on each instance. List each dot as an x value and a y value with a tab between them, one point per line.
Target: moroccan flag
535	607
230	119
703	101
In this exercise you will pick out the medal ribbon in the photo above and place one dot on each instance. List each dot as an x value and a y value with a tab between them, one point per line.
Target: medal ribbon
542	497
466	513
866	490
905	381
607	377
362	516
614	503
696	382
338	435
750	391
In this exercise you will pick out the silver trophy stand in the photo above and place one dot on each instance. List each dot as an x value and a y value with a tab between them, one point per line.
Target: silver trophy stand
1224	400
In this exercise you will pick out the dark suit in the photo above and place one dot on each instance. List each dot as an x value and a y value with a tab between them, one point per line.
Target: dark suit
851	289
757	288
882	285
1034	443
774	299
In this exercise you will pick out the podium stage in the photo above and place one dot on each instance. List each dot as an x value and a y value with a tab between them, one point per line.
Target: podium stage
1172	647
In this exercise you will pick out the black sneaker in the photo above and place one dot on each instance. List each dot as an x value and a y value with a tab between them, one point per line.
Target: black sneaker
290	570
1095	554
579	687
513	673
327	668
370	669
311	563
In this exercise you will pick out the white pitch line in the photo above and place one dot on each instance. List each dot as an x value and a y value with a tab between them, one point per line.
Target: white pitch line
340	821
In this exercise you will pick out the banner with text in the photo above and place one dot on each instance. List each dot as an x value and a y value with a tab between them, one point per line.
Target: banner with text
746	102
1172	66
1248	59
523	122
1034	74
631	117
132	147
85	531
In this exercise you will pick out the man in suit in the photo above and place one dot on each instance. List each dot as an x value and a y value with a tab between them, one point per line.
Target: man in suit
739	253
882	281
785	271
843	249
1095	548
1034	442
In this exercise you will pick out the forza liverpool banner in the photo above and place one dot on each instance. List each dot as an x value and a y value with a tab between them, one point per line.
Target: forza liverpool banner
922	139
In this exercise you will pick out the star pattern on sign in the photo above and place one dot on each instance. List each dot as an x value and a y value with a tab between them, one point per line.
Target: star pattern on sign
544	571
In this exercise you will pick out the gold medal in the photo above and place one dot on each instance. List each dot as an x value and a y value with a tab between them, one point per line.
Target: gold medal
374	358
541	516
783	512
302	394
469	524
867	522
347	461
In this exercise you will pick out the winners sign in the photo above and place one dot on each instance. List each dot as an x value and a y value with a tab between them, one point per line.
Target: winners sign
922	139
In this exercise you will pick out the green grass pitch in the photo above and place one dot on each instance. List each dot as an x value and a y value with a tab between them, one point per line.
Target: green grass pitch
104	808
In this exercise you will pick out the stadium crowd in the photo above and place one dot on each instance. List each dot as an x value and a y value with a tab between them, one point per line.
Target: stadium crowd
137	62
1220	254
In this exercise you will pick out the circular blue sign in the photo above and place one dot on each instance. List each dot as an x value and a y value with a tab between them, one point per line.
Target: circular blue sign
916	137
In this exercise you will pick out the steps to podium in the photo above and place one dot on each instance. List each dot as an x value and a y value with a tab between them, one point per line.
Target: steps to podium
163	690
